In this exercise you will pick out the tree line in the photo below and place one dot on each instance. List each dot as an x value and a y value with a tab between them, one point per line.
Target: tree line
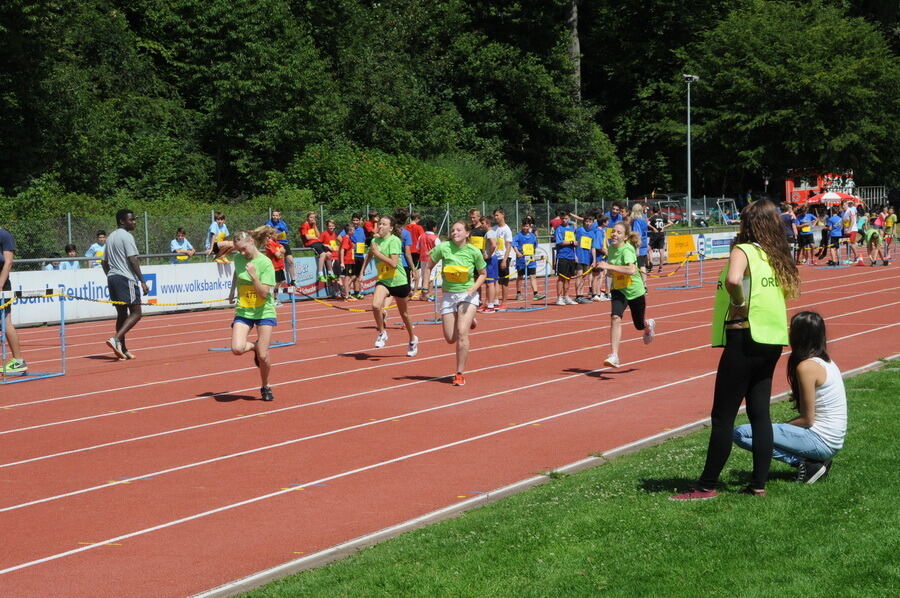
433	101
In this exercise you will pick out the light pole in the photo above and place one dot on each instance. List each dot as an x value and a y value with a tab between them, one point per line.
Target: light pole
689	79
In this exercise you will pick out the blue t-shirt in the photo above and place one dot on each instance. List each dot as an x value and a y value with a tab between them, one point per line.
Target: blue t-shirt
806	222
837	226
599	238
519	241
564	252
175	246
613	219
640	225
583	256
406	238
283	231
69	265
359	236
96	250
219	233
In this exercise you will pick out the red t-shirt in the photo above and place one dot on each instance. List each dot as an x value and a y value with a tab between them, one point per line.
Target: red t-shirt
308	229
556	223
369	227
426	243
273	248
329	240
347	246
415	231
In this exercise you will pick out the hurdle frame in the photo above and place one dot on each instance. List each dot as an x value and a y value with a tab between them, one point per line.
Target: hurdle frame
293	341
13	296
687	275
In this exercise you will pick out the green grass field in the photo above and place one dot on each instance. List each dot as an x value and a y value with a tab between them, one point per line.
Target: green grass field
611	530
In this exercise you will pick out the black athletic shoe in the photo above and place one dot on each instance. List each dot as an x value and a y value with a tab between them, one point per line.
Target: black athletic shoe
810	472
266	393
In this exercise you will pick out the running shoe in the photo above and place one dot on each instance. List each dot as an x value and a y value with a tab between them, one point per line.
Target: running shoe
538	297
415	296
596	298
753	492
499	307
459	380
128	355
612	361
695	494
584	300
413	347
114	344
15	366
381	339
266	393
561	301
605	297
650	331
322	278
569	300
519	297
480	309
488	310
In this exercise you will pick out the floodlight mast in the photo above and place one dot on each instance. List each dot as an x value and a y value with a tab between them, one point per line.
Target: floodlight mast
689	79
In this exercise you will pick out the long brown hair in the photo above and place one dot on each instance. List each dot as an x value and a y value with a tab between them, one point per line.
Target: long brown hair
761	224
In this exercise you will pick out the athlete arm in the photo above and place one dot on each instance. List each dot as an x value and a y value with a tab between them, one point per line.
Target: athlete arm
136	269
809	373
7	267
234	278
626	269
737	265
482	276
262	289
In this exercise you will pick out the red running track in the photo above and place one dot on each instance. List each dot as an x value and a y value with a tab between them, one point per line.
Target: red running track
165	476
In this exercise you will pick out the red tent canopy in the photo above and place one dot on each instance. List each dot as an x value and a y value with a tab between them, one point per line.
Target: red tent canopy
830	198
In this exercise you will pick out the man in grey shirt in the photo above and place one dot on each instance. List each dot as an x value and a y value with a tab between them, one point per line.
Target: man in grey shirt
123	274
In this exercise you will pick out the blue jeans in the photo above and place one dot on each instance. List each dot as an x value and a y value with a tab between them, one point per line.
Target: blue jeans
792	444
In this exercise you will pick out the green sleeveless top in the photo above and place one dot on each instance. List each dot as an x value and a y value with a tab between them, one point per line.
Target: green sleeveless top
767	311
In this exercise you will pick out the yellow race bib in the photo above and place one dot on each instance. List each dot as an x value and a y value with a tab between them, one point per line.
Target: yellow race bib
586	242
569	236
805	228
182	258
385	272
620	281
333	244
478	242
247	297
282	236
609	232
455	273
501	244
220	237
527	249
360	248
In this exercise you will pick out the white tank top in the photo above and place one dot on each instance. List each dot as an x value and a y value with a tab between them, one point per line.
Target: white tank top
830	422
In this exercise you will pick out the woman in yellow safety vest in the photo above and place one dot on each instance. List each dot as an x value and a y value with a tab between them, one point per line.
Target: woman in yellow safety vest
750	322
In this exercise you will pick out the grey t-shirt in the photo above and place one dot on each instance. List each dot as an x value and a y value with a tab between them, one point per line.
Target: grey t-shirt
120	246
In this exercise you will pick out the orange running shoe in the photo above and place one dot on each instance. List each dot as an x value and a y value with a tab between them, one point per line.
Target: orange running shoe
459	380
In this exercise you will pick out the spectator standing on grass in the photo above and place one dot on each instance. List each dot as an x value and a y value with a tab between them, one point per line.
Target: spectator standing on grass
16	364
750	322
656	226
181	246
218	231
125	281
71	251
284	238
811	440
97	250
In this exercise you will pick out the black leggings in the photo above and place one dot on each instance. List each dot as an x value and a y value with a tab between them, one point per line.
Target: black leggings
745	371
638	307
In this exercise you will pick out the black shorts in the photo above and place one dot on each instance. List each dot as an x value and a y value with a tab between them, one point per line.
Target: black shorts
347	269
319	248
638	306
123	289
279	276
642	261
565	268
401	292
416	259
354	269
503	274
532	270
806	241
791	240
287	249
834	242
657	241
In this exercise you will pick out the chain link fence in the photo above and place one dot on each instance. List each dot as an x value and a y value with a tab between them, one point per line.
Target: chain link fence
46	239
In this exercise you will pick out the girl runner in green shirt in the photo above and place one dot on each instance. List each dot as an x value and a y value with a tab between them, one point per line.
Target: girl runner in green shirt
462	272
627	288
392	282
254	283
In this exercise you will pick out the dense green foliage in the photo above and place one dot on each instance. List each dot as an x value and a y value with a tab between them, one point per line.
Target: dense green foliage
220	99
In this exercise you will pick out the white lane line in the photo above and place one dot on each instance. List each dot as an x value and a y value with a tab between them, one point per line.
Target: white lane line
386	462
387	419
220	372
